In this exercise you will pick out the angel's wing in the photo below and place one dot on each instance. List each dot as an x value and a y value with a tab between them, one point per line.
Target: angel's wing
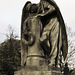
24	48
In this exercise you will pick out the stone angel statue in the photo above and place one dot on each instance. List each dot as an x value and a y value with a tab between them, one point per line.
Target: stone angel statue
43	33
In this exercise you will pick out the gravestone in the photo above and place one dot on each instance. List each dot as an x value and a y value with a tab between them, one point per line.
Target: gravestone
43	39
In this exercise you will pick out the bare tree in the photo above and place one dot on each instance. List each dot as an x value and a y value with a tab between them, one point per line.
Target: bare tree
11	33
71	47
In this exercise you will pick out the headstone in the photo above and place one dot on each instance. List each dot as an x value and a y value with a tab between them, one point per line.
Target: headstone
43	39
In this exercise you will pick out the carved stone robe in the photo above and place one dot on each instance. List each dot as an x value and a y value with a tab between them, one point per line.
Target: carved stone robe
54	37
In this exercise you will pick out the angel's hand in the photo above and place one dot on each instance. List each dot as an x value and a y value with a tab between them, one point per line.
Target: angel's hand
40	15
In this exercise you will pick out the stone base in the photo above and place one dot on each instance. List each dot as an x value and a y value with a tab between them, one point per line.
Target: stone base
43	70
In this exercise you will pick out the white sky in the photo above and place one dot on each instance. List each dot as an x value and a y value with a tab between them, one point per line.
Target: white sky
11	10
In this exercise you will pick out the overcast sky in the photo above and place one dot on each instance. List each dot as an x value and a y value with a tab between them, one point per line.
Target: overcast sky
11	11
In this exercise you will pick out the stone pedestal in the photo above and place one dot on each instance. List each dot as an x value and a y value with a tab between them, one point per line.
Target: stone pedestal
40	70
38	66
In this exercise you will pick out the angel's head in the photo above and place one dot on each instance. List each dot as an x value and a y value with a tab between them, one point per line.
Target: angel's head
33	8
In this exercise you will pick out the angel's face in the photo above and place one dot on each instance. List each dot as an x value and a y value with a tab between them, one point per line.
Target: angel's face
34	8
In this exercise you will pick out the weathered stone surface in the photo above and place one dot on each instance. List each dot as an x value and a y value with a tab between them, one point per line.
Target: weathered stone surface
43	33
39	70
38	73
36	61
43	39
